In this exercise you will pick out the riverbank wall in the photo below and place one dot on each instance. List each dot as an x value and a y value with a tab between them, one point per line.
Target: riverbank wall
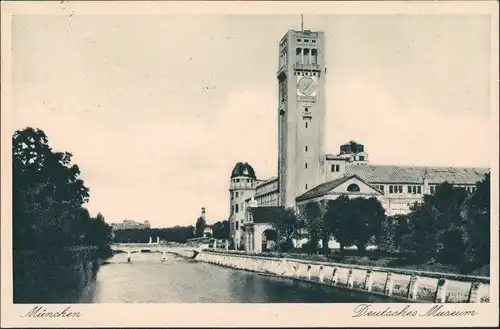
54	275
399	284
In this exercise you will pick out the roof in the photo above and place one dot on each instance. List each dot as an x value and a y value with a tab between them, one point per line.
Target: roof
335	157
408	174
243	169
265	214
266	181
323	188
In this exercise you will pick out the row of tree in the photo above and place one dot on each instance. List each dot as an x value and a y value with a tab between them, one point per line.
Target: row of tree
450	226
181	234
48	198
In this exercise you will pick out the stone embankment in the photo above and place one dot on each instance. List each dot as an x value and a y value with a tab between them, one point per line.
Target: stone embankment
414	286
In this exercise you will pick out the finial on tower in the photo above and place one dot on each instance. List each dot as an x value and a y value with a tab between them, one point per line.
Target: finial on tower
302	23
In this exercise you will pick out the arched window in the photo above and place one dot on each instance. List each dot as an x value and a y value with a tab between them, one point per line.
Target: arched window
353	188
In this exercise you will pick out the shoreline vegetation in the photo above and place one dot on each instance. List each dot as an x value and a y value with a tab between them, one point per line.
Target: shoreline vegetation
57	245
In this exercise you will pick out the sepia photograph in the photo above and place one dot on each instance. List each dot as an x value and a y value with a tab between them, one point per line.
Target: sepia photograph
285	158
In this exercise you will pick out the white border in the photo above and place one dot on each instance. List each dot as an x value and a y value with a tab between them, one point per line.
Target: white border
209	315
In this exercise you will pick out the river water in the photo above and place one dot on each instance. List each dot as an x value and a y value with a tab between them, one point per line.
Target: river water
179	280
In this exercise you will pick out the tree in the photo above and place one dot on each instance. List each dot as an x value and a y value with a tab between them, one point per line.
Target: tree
475	213
355	221
97	233
221	230
48	193
312	215
200	226
287	226
436	225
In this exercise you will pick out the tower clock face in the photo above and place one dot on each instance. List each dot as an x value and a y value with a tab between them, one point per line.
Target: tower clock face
306	85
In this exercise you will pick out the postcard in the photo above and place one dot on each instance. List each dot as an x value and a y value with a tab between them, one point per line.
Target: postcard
209	164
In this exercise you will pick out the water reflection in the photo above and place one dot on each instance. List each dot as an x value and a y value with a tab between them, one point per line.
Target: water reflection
148	280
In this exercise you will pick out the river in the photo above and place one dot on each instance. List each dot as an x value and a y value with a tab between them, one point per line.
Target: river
179	280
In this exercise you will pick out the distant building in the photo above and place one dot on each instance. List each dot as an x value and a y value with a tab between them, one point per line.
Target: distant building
130	225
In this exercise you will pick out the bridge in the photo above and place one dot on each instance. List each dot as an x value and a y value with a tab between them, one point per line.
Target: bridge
163	249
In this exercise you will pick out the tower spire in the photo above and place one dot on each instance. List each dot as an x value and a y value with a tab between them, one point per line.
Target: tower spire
301	22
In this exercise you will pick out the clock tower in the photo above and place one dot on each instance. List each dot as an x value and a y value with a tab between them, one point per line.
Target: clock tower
301	113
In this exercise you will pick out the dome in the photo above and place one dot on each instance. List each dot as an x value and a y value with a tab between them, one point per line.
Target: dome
243	169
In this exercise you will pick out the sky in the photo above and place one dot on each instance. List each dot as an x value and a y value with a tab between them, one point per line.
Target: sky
157	110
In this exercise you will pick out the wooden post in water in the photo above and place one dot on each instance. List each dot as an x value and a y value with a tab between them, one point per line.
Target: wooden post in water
474	294
440	295
412	287
389	284
368	280
350	281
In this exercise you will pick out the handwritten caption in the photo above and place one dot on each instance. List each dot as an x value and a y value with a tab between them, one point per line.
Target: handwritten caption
43	312
406	310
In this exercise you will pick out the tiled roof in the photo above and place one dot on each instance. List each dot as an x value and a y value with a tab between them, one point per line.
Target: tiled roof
324	188
265	214
403	174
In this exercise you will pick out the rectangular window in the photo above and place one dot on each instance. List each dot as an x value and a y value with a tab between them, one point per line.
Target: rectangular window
306	165
236	209
232	196
361	158
391	189
232	209
306	124
332	168
400	188
236	194
382	188
419	189
306	186
409	189
432	189
337	168
306	148
237	225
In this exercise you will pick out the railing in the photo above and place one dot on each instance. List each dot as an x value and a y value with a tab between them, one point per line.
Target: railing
416	286
307	67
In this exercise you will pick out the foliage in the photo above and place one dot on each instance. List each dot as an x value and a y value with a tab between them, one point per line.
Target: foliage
288	227
173	234
200	226
48	197
355	221
221	230
475	213
311	215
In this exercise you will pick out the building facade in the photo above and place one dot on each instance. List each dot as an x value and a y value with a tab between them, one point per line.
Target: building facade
306	173
130	225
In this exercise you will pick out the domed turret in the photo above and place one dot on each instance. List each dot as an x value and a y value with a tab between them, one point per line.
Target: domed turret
243	170
241	188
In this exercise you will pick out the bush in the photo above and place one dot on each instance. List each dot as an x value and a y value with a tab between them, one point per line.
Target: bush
286	246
